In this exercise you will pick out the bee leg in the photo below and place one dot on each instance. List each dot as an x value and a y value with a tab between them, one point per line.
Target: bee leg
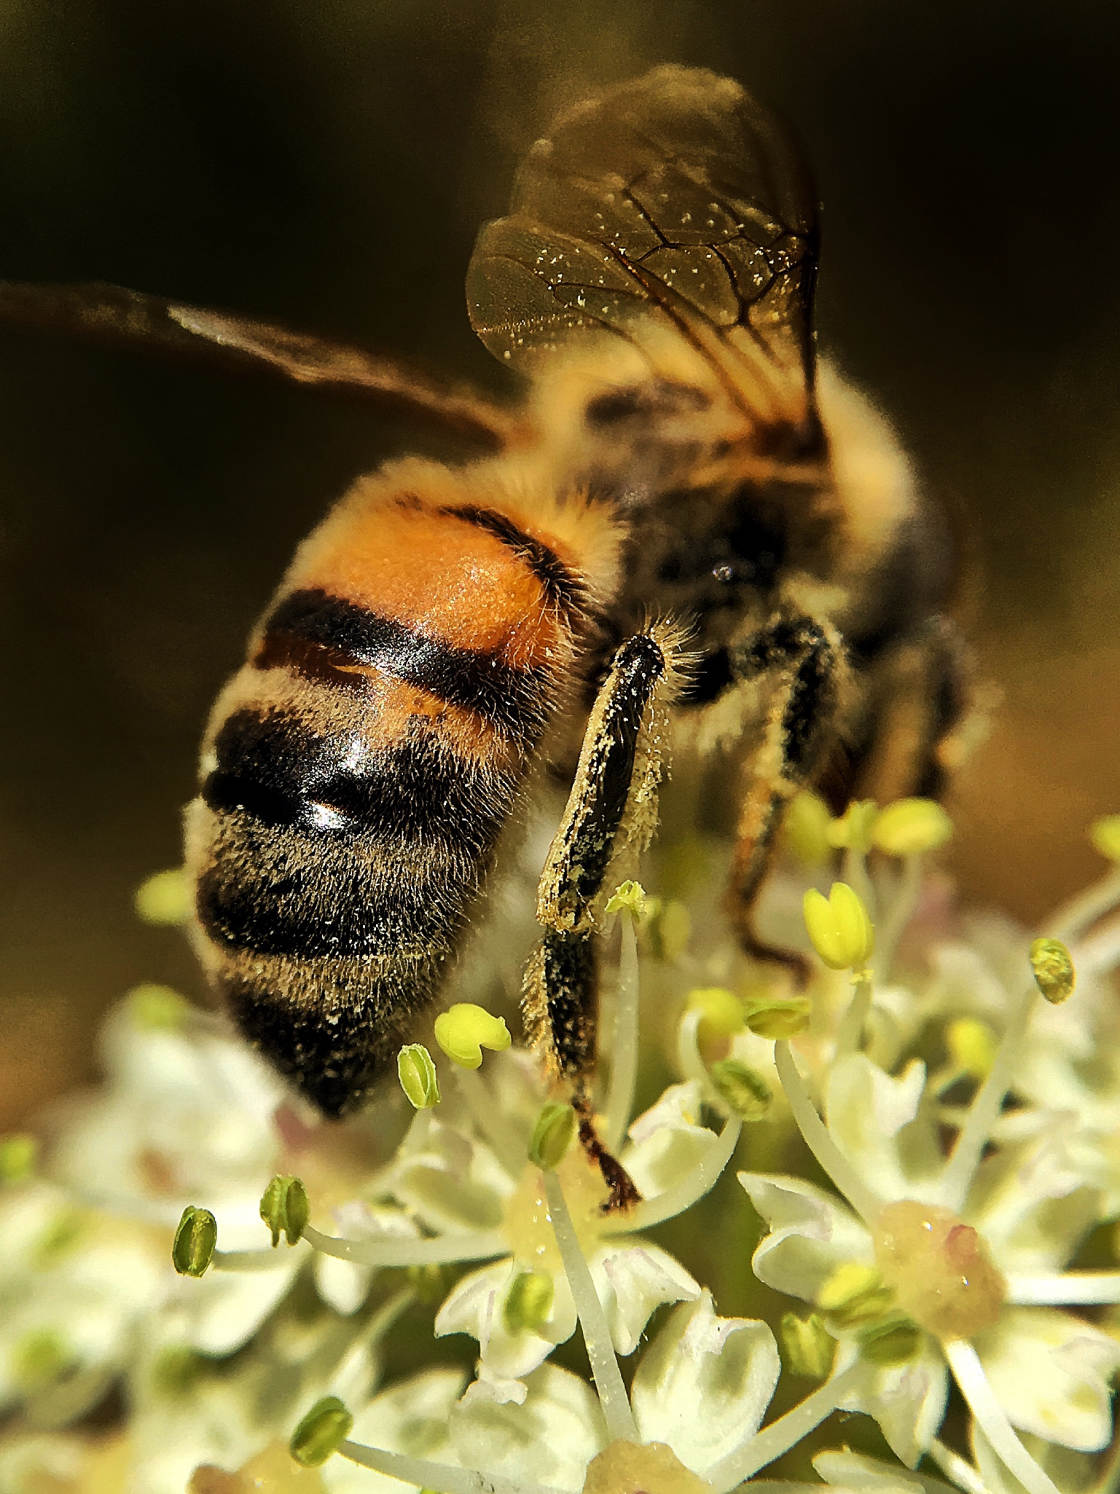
613	803
802	661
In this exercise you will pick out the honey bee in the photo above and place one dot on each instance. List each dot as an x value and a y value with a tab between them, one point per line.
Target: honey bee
679	521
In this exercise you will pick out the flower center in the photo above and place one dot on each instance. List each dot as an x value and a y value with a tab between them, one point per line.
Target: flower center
527	1224
939	1268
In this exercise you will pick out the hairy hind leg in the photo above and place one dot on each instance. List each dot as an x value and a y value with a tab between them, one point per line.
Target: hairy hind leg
800	661
612	804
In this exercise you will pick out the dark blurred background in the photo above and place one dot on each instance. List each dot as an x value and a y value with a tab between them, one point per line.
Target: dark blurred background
328	165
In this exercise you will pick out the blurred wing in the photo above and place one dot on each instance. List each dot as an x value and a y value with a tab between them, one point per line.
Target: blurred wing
675	202
113	315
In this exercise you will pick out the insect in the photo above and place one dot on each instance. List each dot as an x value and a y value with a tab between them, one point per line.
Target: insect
679	521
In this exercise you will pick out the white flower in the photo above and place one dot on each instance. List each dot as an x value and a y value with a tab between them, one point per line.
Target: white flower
955	1268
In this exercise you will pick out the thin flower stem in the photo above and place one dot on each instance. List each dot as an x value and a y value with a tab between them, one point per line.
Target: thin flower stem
857	878
866	1203
991	1418
1082	911
402	1250
850	1033
891	924
425	1473
1098	953
681	1196
250	1260
689	1061
784	1433
1065	1288
624	1041
592	1319
958	1468
987	1103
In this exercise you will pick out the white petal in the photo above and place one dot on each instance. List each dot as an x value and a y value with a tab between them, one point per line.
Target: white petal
908	1402
871	1117
477	1305
849	1470
811	1233
667	1142
632	1281
451	1183
1050	1372
1066	1468
549	1439
412	1417
225	1309
704	1384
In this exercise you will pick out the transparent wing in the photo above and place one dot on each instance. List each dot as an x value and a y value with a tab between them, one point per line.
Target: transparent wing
673	202
111	314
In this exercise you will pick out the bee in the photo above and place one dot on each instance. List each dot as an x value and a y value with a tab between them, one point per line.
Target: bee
681	521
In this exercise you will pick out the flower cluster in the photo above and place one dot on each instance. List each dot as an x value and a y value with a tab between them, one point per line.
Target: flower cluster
893	1191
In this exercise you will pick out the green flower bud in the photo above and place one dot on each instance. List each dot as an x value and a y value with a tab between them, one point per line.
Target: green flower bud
839	927
195	1242
1105	835
40	1359
807	1346
742	1089
284	1208
321	1432
465	1029
854	1294
777	1017
1053	970
552	1134
892	1340
529	1301
19	1153
910	826
629	897
416	1071
805	829
164	897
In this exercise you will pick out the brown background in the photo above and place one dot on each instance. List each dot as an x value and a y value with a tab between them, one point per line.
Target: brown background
327	165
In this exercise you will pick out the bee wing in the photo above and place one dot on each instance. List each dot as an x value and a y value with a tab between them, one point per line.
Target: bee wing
675	202
111	314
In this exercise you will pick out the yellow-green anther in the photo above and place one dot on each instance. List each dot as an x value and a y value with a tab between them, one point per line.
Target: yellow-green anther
852	831
1105	835
416	1071
321	1432
529	1302
39	1359
284	1208
18	1156
972	1046
805	829
195	1241
164	897
628	897
892	1340
808	1348
1053	969
742	1089
155	1008
465	1029
910	826
839	927
721	1012
776	1017
854	1294
552	1134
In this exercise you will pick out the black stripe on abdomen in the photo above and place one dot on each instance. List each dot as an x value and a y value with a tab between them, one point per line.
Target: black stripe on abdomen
513	700
563	588
274	768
